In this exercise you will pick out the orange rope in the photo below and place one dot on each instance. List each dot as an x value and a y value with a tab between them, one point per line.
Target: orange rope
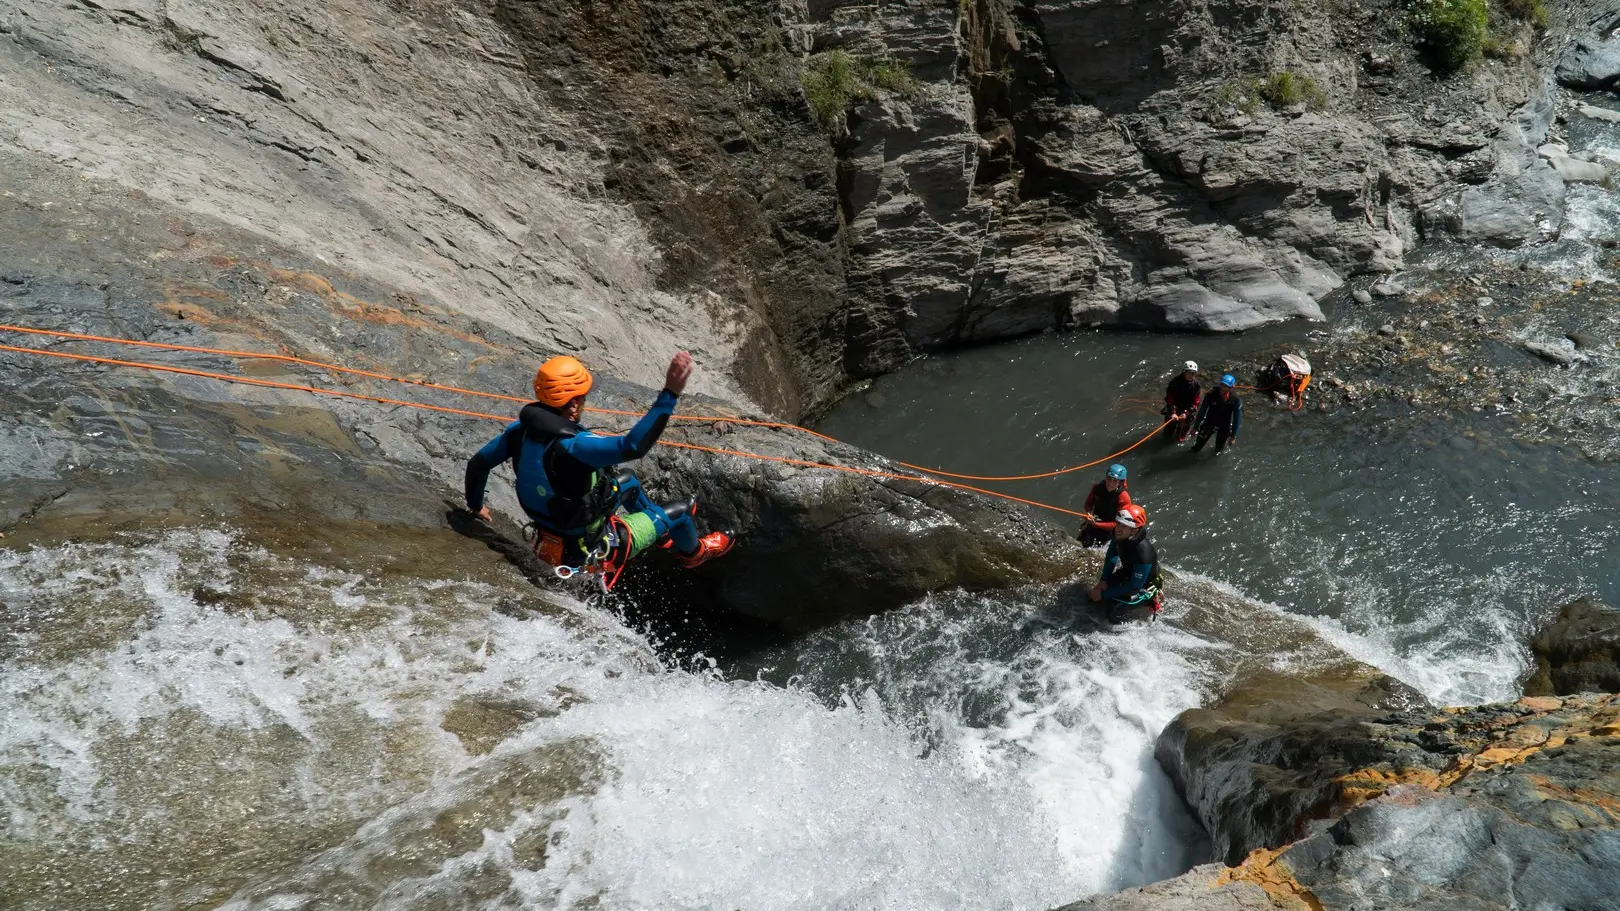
286	358
322	365
250	381
777	425
1044	474
870	473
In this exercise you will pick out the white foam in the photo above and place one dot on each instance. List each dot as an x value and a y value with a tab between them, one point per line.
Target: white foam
1439	655
1069	716
976	783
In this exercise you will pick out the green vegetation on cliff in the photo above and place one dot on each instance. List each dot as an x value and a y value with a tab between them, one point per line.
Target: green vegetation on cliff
836	78
1454	31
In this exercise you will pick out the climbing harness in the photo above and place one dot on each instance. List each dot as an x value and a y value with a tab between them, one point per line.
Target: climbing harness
1152	596
605	561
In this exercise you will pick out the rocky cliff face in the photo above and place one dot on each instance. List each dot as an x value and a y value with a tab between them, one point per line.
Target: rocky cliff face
807	191
1186	164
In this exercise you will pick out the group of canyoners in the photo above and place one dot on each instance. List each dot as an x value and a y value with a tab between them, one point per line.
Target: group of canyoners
1130	574
589	516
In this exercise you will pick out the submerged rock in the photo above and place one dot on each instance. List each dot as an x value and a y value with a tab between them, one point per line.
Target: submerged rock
1554	354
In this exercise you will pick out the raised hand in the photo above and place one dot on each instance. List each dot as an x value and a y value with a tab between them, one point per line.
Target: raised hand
680	370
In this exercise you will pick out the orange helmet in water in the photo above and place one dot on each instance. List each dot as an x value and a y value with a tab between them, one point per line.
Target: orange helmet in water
561	380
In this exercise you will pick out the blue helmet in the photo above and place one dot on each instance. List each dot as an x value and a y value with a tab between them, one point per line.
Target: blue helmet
1116	471
1228	380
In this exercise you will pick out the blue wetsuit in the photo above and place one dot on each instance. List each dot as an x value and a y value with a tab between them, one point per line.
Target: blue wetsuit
1128	568
565	481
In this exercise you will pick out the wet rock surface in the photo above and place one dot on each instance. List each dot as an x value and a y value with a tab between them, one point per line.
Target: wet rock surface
110	446
1578	651
1496	806
1266	757
1520	348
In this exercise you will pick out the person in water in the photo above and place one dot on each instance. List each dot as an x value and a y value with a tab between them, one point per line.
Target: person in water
1130	572
1107	497
1286	379
1220	416
1181	402
568	485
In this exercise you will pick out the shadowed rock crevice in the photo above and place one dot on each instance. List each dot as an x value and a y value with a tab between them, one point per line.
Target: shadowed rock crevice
700	114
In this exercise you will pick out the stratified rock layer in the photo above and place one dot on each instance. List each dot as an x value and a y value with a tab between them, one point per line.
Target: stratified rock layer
1500	806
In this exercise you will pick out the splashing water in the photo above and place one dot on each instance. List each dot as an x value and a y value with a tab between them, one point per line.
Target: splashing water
226	726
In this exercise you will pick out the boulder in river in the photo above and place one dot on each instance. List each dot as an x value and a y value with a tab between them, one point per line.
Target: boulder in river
1511	805
1577	652
1563	356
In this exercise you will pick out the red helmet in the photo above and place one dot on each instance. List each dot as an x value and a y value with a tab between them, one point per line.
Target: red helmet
1132	516
561	380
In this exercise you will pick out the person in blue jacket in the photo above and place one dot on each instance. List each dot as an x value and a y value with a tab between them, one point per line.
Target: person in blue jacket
587	514
1130	572
1221	415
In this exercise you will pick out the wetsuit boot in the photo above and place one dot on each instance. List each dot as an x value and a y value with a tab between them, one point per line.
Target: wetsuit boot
714	544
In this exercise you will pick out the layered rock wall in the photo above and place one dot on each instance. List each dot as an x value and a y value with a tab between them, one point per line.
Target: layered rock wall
618	180
1181	164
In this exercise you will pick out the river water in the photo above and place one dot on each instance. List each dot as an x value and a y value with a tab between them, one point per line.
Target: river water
201	718
194	718
1428	542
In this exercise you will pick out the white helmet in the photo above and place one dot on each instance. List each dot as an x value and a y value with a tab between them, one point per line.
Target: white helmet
1190	366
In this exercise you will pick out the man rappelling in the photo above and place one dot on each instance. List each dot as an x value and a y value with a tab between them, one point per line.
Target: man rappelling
586	515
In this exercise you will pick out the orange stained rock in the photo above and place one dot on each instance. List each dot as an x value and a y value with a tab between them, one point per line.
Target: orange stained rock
1542	703
1597	801
1526	735
194	313
1363	785
354	307
1264	868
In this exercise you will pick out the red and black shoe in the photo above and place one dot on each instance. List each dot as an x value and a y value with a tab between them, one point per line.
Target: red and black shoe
714	544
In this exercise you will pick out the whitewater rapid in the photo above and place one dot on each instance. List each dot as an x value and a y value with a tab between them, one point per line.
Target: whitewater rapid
193	721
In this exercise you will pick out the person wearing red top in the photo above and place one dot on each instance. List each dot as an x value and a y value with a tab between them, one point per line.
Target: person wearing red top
1181	402
1107	498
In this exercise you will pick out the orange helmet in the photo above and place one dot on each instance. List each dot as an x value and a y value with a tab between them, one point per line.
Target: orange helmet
561	380
1132	516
